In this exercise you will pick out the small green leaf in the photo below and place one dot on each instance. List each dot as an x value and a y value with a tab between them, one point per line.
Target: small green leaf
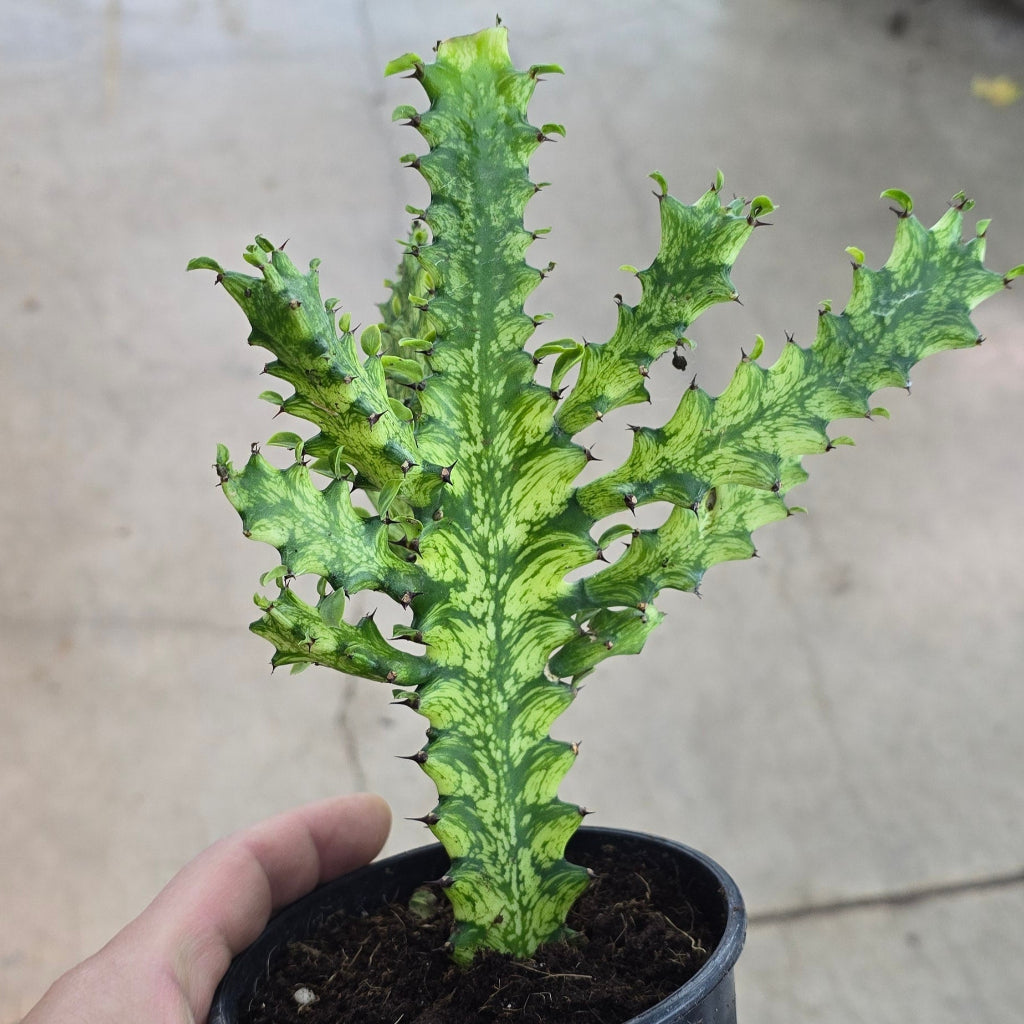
299	666
405	112
551	128
613	533
982	227
545	69
758	349
265	244
407	62
405	371
761	206
403	412
842	439
880	410
416	344
387	496
345	323
332	608
564	363
901	197
1015	272
314	264
856	254
254	259
423	902
275	575
270	396
330	305
629	268
719	181
204	263
370	340
961	202
657	177
285	439
223	455
556	347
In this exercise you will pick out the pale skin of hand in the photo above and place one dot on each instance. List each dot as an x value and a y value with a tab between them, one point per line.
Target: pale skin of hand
163	968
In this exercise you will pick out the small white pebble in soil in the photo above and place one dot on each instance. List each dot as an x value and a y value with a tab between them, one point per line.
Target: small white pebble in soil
304	996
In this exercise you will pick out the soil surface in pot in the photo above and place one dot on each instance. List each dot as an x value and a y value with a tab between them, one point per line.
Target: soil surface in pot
641	939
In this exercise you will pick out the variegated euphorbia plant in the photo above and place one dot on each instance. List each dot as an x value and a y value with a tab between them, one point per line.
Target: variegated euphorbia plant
470	463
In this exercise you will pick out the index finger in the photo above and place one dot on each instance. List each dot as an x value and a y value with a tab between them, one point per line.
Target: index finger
219	903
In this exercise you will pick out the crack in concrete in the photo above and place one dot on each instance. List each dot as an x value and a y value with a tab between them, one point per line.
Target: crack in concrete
348	734
899	898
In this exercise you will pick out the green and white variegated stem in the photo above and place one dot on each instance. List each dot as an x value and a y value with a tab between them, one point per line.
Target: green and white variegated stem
471	466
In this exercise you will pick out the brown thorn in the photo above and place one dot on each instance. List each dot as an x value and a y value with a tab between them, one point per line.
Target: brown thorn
420	757
427	819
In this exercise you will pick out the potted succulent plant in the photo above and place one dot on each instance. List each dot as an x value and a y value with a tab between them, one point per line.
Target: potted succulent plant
476	522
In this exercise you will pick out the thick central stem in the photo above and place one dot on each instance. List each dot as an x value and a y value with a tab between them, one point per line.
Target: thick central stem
495	563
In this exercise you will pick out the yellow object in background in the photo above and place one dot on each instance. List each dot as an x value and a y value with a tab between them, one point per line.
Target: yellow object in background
1000	91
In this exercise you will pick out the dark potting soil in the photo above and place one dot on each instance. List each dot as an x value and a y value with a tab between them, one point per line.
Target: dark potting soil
640	939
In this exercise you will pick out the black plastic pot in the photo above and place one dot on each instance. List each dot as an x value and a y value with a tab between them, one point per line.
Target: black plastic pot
708	998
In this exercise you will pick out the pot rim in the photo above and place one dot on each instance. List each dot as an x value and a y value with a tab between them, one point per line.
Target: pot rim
719	965
716	971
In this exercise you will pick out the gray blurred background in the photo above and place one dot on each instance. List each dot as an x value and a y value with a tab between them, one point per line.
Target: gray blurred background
839	722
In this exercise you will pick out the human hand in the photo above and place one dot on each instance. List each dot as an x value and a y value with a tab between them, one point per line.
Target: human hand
163	968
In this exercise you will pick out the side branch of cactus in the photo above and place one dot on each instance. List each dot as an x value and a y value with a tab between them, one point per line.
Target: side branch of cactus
726	463
699	244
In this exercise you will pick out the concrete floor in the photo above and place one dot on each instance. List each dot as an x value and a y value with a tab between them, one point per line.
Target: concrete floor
840	722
